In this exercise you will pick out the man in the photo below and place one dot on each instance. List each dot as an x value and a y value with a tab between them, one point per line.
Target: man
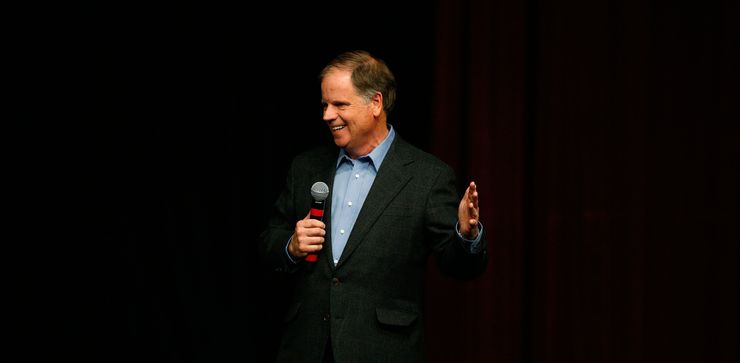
390	207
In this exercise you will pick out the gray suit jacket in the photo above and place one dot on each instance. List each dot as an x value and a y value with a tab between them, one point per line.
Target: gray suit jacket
371	304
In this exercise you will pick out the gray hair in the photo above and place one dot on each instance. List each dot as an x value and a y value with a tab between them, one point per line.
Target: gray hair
369	75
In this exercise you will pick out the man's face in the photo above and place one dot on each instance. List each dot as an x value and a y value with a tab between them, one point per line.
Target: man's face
348	115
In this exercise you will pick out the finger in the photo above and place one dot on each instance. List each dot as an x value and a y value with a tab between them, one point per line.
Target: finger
473	211
312	241
313	230
311	224
474	197
311	248
314	248
472	191
473	208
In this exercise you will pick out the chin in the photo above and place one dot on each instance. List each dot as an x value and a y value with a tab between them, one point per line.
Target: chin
341	142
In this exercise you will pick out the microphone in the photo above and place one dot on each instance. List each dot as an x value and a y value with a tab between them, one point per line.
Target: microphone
319	192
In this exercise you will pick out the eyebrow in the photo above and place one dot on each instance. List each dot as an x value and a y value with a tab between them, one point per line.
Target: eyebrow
335	103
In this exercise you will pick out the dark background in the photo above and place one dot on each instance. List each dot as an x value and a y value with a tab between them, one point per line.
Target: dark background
602	136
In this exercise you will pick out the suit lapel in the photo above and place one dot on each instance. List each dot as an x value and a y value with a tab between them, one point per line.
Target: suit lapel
388	182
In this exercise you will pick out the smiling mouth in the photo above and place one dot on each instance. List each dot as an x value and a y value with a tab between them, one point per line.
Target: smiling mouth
337	128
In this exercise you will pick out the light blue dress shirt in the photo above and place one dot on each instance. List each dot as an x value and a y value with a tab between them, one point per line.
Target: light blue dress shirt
352	183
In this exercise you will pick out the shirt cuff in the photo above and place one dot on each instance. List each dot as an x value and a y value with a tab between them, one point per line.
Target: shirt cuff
473	244
290	258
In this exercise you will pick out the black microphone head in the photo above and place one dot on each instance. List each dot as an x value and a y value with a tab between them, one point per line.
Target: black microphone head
319	191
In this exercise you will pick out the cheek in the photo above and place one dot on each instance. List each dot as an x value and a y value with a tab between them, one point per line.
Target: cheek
347	118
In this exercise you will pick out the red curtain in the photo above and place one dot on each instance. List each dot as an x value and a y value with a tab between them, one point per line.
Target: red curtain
602	137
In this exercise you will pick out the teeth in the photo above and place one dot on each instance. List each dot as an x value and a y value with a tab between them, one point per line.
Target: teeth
336	128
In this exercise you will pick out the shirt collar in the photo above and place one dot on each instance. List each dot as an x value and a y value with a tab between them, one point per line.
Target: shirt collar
377	155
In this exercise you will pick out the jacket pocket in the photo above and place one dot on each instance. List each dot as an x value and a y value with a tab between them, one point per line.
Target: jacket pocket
396	317
292	312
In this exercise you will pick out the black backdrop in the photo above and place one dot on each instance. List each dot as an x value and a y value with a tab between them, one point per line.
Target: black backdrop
602	135
187	117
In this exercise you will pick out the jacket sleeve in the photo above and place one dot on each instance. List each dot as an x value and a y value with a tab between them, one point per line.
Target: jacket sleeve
453	255
280	227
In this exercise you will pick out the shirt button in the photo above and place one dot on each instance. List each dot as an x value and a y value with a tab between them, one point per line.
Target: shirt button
349	204
357	176
341	231
336	261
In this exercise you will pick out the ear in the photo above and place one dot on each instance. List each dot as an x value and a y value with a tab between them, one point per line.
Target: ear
376	104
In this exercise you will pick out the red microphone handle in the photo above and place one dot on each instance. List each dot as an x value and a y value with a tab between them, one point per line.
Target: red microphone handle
317	212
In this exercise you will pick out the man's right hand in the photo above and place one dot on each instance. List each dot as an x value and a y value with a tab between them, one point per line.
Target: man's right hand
308	237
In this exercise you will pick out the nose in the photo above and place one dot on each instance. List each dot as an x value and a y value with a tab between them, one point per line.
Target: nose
329	113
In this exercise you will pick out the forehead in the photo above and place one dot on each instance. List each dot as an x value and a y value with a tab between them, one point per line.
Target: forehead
337	80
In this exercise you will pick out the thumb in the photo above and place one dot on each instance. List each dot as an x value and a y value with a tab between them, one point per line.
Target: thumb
308	215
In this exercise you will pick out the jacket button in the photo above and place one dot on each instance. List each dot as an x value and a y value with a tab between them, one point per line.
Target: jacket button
326	317
335	281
